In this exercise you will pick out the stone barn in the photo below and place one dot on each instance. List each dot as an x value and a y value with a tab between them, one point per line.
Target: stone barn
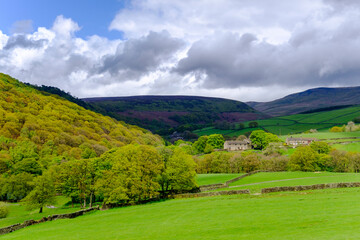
237	145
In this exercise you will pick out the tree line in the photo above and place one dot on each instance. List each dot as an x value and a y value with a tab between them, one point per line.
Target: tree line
126	175
318	156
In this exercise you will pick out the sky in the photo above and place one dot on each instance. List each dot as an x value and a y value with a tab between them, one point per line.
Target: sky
248	50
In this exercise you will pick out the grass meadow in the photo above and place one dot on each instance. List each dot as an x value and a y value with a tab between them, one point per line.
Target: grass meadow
18	213
279	179
294	124
317	214
351	147
212	178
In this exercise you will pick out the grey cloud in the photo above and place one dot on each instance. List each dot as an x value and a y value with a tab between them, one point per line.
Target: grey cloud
139	56
311	58
23	42
342	4
24	26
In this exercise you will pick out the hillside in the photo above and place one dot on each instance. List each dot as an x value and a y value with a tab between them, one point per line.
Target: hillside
311	99
47	128
297	123
165	114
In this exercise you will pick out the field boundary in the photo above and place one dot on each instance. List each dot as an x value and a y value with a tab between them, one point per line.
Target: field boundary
31	222
310	187
211	194
209	187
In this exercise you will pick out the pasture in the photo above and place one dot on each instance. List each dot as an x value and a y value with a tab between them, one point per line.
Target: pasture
317	214
351	147
19	214
212	178
294	124
278	179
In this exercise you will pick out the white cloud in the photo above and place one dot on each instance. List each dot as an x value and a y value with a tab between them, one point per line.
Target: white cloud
194	19
245	50
3	40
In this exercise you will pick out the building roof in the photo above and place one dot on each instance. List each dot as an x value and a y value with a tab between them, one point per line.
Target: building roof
238	142
300	139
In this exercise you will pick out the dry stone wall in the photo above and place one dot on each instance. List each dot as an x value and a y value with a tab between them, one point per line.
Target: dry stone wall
209	187
310	187
18	226
211	194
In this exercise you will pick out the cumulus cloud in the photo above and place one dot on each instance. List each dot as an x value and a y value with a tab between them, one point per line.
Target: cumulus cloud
258	50
86	67
22	41
141	56
192	20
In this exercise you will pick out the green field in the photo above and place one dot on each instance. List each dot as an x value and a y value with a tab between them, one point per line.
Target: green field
351	147
205	179
293	124
19	214
319	214
278	179
325	135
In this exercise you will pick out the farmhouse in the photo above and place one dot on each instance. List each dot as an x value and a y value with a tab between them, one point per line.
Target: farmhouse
237	145
299	141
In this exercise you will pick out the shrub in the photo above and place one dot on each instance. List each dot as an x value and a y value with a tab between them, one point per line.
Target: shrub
356	120
305	159
274	163
250	162
4	210
320	147
336	129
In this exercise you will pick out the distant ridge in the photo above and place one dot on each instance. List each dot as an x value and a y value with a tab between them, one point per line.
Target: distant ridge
167	113
309	100
151	97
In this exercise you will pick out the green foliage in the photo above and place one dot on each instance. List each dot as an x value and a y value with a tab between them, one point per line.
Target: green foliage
261	139
216	162
216	141
274	163
249	162
29	165
43	193
341	161
178	173
16	187
305	159
76	178
356	119
320	147
4	210
39	130
253	124
131	175
23	150
207	144
200	144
